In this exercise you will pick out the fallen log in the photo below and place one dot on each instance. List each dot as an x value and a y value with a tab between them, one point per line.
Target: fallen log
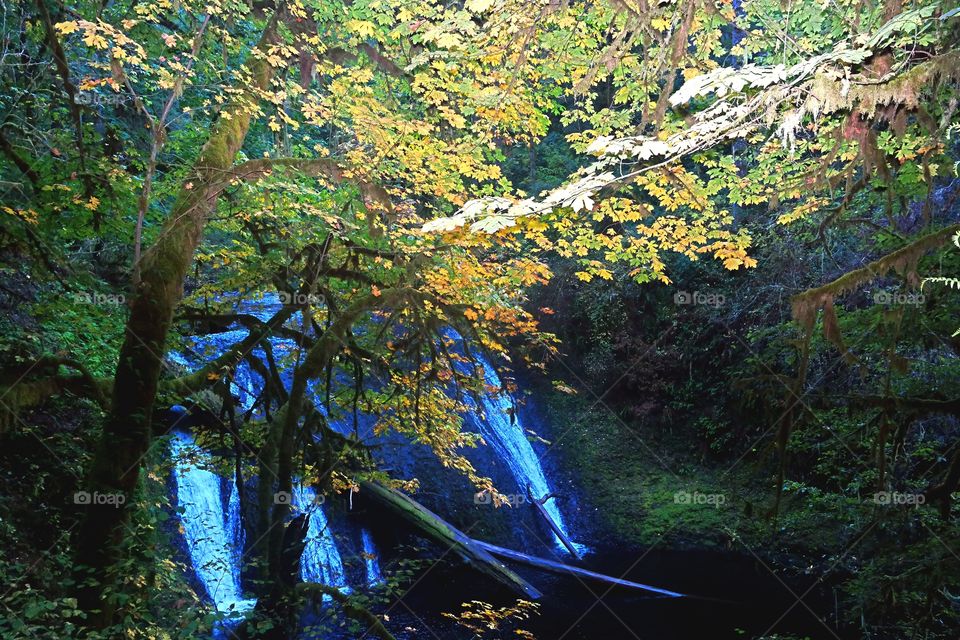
538	503
559	567
434	527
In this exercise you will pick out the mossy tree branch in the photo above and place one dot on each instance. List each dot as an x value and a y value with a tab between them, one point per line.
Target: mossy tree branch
127	432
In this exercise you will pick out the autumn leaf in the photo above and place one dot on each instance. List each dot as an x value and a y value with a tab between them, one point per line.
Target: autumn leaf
66	28
362	28
95	40
478	6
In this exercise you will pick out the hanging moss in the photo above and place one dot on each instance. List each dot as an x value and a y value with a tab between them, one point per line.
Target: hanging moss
903	261
46	382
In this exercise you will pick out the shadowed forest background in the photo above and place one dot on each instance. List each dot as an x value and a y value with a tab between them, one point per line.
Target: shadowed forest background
479	319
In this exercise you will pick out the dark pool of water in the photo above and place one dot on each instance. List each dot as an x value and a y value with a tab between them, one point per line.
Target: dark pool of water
738	598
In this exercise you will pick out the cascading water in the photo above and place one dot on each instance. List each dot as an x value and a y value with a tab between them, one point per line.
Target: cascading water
235	523
370	559
213	541
215	536
508	437
321	560
244	384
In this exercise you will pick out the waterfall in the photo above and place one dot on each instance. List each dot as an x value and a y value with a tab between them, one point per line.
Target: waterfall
371	560
509	439
245	384
321	560
215	535
235	524
211	534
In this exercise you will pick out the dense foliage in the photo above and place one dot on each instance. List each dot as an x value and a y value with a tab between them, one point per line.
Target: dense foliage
727	222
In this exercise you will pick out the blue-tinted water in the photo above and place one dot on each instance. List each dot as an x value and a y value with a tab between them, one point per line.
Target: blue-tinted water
216	553
215	536
235	528
213	542
371	560
321	561
508	436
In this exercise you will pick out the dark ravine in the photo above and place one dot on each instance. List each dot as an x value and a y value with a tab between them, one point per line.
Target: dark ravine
727	588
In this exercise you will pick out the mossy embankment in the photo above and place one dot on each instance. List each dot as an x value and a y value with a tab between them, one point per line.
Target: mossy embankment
644	485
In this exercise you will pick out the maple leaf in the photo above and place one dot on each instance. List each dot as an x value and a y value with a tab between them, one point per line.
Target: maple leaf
581	202
95	40
478	6
361	27
66	28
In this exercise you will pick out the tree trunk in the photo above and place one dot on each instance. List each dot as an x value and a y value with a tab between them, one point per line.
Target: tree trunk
276	457
538	502
127	431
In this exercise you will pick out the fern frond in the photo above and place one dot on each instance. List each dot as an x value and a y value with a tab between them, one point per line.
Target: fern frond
953	283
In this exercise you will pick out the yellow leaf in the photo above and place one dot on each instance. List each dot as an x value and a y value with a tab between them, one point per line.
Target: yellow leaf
478	6
95	40
66	28
361	27
659	24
